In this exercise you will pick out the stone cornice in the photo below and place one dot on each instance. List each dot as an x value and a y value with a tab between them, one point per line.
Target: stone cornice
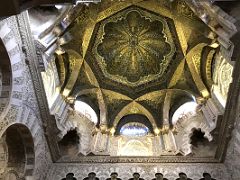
160	159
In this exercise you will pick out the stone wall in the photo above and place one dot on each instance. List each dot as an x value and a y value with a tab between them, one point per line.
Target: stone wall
23	107
233	154
232	160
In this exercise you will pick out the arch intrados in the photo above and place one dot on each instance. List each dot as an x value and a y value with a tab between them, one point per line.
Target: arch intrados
6	76
139	118
21	132
141	110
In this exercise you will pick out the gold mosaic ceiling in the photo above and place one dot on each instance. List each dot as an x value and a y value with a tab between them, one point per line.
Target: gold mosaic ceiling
132	57
133	47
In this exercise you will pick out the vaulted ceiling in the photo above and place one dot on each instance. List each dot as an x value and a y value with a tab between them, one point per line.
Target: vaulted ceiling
145	53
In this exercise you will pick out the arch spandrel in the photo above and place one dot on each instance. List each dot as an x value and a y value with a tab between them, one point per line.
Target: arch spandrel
86	79
75	62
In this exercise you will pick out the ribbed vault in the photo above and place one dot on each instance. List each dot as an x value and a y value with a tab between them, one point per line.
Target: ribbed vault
129	60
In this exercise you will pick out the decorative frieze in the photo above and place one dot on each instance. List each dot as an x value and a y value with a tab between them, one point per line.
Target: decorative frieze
146	171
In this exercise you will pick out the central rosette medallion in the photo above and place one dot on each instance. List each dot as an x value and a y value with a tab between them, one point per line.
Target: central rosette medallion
133	41
135	47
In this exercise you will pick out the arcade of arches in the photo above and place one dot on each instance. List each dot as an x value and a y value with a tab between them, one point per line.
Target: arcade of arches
130	86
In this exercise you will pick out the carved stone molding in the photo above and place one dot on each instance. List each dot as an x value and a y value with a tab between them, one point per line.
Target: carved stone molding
158	159
30	53
146	171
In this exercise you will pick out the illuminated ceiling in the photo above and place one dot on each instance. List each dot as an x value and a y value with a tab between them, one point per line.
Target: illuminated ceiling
135	57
